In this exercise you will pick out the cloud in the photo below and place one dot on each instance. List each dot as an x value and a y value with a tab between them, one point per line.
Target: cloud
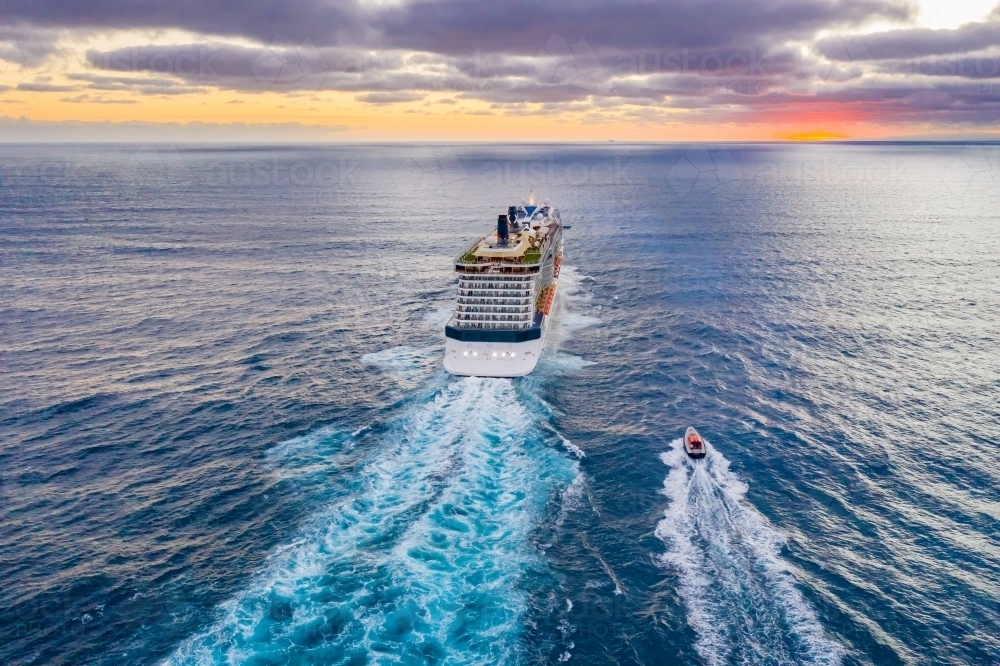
463	26
282	66
87	99
27	46
389	97
45	87
24	130
917	42
637	60
259	20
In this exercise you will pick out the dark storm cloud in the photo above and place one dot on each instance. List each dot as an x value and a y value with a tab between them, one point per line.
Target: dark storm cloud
722	58
229	63
982	66
461	26
917	42
506	50
514	26
323	20
689	79
550	77
284	67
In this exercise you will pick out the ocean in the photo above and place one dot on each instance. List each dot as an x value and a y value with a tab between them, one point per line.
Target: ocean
226	436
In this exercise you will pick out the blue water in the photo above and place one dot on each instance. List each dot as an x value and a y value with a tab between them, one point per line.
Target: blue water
226	438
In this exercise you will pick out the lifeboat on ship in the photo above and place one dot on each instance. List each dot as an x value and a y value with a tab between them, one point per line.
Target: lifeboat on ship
694	445
550	297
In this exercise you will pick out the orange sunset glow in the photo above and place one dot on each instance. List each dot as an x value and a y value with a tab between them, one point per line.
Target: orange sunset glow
879	70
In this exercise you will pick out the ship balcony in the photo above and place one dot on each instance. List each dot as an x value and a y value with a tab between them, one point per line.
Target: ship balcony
465	300
505	286
495	293
490	325
494	277
514	287
500	310
518	318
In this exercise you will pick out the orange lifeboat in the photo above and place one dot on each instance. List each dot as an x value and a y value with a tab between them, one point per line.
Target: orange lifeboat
550	297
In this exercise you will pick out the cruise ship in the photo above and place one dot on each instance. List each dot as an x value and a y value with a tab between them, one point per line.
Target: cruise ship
506	289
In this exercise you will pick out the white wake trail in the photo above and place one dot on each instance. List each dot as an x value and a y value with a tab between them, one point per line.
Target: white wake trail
421	555
740	596
419	559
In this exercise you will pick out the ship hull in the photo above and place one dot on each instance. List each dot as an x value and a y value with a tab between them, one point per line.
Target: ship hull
493	359
506	292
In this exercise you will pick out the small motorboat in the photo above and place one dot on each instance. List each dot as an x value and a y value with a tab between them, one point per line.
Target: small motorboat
694	445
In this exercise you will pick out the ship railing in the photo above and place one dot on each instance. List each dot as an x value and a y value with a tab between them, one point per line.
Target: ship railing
494	316
498	310
491	317
493	293
464	284
498	269
494	277
504	326
484	284
482	300
468	257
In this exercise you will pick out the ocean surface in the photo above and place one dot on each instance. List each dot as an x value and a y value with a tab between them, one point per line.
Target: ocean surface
226	436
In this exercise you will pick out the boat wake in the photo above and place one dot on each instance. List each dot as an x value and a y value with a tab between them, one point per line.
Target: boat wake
424	544
740	597
420	558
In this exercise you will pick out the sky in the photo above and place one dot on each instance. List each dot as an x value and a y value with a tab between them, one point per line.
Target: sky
499	70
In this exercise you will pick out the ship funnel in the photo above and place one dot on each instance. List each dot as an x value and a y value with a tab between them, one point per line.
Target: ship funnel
503	233
512	216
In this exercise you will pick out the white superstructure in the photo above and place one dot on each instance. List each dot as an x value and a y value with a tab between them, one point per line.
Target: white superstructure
506	288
